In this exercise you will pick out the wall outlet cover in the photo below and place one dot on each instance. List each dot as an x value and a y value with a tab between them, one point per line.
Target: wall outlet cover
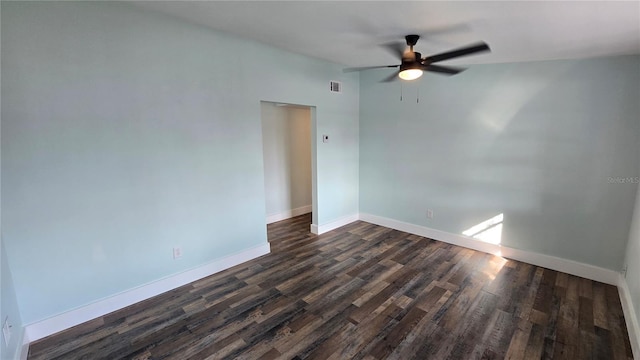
177	252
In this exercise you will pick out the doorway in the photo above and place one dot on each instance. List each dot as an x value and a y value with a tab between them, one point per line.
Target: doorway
287	142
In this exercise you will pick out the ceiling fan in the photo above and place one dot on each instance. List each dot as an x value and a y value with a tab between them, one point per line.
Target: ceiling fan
413	64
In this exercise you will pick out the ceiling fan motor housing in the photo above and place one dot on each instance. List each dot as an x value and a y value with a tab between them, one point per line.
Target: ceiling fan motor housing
412	40
415	63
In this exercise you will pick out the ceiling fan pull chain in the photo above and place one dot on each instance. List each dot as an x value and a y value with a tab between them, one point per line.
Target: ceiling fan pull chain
400	91
418	95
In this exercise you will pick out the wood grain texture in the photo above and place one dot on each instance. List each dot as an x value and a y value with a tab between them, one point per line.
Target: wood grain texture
361	292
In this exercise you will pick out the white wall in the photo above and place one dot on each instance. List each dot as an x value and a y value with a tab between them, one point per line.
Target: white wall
124	134
537	142
286	143
632	260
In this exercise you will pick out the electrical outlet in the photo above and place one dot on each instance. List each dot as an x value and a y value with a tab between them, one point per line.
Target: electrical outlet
6	331
177	252
429	214
325	138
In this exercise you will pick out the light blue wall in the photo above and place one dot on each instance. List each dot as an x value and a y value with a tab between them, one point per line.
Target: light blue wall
8	304
125	133
534	141
9	308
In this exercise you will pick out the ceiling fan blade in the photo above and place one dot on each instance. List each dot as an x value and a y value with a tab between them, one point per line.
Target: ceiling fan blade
395	48
468	50
443	69
391	77
348	70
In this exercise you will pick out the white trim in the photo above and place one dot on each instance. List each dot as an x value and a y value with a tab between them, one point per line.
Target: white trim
629	316
24	349
288	214
41	329
551	262
572	267
52	325
321	229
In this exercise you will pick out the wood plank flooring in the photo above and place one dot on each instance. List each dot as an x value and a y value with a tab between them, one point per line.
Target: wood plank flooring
361	292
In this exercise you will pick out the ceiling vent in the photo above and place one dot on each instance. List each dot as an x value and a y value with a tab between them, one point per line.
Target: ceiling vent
335	86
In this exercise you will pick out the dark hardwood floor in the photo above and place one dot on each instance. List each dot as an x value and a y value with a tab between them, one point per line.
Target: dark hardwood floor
361	292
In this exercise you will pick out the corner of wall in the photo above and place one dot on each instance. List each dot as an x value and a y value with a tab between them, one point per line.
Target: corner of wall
551	262
23	351
633	328
629	284
321	229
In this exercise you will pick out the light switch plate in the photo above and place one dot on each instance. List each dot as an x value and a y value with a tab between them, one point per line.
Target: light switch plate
6	331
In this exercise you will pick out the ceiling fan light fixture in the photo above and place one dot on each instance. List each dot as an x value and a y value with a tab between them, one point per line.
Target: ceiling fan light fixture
414	65
410	74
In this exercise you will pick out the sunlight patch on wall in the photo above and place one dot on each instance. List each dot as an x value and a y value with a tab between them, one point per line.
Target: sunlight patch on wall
507	97
489	231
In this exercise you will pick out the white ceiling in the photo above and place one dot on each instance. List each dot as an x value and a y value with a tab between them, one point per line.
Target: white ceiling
350	32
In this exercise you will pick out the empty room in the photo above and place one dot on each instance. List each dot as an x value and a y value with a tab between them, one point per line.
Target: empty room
320	180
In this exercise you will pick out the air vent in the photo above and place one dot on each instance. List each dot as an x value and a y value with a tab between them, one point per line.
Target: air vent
335	86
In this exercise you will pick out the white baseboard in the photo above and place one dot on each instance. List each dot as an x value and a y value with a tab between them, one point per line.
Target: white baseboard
289	214
52	325
41	329
551	262
321	229
629	316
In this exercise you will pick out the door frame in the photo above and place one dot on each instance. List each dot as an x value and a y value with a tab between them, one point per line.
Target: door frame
314	156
